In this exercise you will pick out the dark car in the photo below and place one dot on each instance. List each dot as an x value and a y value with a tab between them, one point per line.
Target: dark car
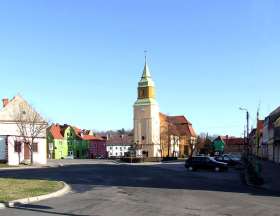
230	160
205	162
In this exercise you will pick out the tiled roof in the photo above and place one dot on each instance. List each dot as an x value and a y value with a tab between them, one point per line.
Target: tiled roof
182	125
275	112
178	119
229	140
55	131
91	137
119	139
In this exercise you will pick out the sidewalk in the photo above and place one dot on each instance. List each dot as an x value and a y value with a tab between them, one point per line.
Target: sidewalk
23	167
271	175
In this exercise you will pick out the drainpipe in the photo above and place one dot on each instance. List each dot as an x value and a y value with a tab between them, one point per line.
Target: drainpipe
7	150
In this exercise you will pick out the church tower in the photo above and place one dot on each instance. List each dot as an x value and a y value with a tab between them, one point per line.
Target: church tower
146	117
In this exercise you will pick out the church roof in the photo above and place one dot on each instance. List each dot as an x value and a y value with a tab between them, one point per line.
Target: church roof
146	71
178	125
146	79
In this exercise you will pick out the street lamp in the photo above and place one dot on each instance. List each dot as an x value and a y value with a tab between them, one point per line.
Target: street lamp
247	122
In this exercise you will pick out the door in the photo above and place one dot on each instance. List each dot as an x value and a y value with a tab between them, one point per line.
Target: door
26	152
2	148
207	163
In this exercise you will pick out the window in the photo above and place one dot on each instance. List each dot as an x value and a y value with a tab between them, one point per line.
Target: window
121	148
17	146
111	147
116	148
35	147
226	158
116	153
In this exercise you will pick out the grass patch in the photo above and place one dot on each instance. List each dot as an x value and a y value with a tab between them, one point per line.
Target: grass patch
3	165
12	189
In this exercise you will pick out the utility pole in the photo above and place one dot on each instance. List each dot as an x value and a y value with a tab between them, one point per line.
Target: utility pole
247	120
247	128
257	134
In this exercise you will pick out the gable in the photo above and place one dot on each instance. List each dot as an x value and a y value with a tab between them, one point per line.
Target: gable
18	107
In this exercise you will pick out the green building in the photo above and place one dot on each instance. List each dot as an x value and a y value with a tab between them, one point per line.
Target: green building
65	141
218	145
77	146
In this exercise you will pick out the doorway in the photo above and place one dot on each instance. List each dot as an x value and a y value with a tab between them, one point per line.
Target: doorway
26	151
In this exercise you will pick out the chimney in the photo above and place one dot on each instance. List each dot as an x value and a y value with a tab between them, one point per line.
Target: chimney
5	101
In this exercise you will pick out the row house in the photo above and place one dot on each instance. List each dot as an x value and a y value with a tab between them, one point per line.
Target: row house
271	136
256	141
234	144
66	141
22	133
97	146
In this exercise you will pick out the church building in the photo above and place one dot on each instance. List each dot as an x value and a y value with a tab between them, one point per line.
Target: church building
146	117
155	134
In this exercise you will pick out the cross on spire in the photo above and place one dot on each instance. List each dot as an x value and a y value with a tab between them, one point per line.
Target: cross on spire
145	51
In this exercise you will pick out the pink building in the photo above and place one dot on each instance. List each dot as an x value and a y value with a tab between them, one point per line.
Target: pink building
97	146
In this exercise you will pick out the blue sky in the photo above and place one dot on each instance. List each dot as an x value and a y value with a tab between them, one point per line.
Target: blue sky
79	62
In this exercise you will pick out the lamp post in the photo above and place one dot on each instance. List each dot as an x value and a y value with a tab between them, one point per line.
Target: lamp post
247	127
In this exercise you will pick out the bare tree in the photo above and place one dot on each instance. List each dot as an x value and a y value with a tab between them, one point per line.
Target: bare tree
30	125
194	143
175	140
164	138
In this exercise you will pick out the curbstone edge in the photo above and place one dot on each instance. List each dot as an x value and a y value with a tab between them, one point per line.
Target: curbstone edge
28	200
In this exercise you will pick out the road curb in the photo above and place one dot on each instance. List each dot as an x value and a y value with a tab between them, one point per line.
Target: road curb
23	168
28	200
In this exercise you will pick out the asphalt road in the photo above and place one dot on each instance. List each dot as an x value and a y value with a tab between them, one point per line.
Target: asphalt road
104	188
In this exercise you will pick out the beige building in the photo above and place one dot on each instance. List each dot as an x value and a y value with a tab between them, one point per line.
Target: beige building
146	117
21	126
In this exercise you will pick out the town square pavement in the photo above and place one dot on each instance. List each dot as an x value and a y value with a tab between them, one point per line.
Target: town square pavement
107	188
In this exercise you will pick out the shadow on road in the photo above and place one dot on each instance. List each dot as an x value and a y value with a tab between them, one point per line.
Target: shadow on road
85	177
39	209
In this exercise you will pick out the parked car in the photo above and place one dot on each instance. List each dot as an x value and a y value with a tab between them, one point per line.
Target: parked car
230	160
205	162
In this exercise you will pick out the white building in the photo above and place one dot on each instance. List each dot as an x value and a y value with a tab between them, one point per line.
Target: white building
117	145
14	148
146	117
117	150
